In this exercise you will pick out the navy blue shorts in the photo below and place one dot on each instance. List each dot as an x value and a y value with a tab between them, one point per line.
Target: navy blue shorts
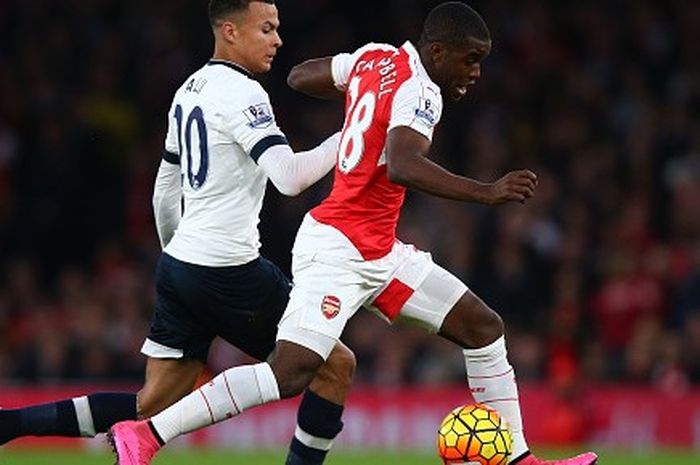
241	304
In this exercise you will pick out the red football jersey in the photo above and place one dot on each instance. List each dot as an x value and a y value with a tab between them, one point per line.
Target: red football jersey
385	87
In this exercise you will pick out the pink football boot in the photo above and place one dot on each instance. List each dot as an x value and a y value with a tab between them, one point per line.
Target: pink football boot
589	458
133	442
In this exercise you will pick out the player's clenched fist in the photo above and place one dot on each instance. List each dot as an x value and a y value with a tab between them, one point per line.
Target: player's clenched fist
515	186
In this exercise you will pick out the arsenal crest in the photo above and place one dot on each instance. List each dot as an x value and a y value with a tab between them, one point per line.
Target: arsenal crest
330	306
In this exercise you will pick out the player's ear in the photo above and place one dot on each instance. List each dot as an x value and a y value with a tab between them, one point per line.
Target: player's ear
438	51
230	32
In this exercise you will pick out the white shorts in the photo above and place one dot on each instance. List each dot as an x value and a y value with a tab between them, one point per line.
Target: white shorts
404	285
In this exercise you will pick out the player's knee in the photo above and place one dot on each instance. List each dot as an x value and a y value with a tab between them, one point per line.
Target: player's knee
294	368
340	366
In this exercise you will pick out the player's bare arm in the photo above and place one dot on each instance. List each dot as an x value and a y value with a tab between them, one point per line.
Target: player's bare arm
407	165
315	78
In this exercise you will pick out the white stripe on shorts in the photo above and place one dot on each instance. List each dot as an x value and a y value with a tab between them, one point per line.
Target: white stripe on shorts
155	350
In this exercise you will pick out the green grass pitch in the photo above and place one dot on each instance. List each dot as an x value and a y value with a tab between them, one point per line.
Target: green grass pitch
205	457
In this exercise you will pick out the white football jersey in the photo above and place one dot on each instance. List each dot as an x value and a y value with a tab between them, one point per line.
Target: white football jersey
220	122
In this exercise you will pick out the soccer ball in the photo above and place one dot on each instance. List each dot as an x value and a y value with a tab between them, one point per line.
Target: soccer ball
475	435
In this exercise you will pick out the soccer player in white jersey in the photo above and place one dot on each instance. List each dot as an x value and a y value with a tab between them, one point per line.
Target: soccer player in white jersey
346	254
222	146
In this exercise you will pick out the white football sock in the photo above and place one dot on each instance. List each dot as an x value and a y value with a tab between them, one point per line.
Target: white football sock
492	382
227	395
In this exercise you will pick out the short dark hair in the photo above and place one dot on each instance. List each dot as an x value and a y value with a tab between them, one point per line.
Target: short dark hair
453	23
221	9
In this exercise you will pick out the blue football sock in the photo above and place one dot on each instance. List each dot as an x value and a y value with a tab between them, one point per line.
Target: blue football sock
318	423
82	416
9	425
109	408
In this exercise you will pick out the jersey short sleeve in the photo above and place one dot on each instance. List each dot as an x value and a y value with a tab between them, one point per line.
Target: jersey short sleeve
252	122
342	64
417	105
341	67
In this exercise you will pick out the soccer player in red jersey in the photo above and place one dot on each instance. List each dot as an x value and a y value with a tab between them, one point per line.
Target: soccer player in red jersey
346	254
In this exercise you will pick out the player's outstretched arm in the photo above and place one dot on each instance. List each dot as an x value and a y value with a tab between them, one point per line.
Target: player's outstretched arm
315	78
166	201
406	151
292	173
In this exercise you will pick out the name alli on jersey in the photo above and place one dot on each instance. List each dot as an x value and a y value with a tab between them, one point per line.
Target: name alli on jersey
195	85
386	68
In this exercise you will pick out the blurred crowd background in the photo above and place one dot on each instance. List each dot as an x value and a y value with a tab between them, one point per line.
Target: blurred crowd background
597	277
